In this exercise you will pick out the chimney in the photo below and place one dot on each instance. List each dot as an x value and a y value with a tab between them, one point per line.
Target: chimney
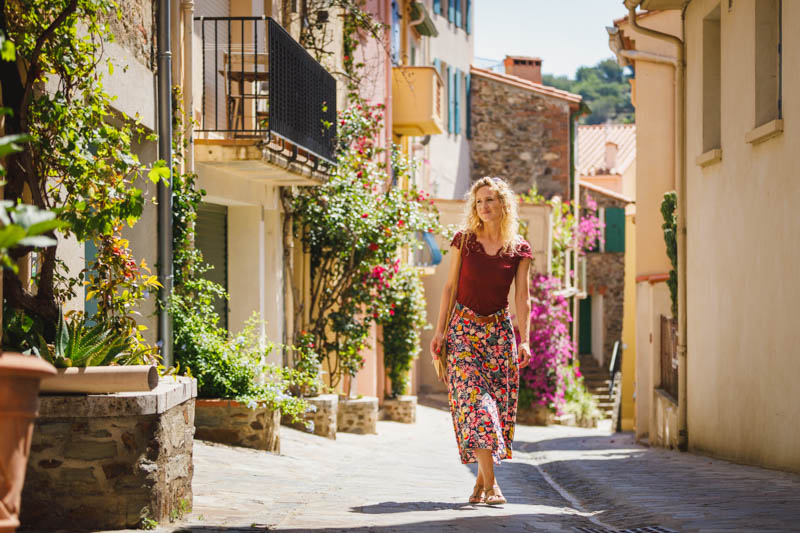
611	155
529	68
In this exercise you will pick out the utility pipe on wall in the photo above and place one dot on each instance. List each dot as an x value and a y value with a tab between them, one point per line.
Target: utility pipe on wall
164	96
188	84
680	186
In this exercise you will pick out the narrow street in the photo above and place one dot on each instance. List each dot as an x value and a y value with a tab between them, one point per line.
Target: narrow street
408	478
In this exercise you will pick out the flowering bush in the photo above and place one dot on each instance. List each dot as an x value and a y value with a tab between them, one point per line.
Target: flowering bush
589	232
552	349
353	227
401	311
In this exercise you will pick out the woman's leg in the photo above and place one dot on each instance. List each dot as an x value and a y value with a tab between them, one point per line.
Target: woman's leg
485	466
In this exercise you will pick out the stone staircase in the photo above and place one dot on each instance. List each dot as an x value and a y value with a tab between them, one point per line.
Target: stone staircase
597	380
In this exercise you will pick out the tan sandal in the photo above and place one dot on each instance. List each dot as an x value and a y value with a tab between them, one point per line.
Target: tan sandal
493	496
477	494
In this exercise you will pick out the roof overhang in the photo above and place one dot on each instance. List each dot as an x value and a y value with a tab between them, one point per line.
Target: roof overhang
652	5
425	26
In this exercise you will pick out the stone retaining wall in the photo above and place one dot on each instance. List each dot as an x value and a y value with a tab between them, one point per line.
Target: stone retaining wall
322	416
230	422
401	409
358	415
106	461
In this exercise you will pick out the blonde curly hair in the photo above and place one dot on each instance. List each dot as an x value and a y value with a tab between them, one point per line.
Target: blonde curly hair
509	224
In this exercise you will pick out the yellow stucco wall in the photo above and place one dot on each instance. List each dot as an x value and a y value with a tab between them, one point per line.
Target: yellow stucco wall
629	323
743	235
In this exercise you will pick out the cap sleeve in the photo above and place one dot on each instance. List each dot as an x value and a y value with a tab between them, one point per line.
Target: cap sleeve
524	250
456	242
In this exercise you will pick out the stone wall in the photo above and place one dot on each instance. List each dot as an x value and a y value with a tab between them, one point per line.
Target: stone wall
136	30
605	275
401	409
358	415
106	461
521	136
321	419
230	422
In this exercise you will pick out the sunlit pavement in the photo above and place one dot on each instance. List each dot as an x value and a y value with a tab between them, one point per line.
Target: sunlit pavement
409	478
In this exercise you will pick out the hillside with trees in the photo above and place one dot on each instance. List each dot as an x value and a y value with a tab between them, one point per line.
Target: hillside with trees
605	89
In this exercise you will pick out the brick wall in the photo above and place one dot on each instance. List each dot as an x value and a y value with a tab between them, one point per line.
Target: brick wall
521	136
135	30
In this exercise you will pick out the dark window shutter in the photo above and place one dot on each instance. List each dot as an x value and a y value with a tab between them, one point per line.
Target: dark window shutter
451	10
437	7
615	229
585	325
458	13
467	17
457	84
451	101
468	96
211	238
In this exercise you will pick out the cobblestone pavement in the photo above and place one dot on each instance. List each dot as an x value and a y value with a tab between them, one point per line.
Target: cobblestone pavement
408	478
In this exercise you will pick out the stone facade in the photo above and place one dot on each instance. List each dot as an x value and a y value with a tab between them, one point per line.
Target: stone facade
230	422
107	461
605	275
400	409
520	135
136	30
358	415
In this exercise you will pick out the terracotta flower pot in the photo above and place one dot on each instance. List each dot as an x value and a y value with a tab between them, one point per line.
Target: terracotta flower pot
19	392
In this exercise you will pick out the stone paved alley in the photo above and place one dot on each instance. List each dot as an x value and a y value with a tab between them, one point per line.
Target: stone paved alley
408	479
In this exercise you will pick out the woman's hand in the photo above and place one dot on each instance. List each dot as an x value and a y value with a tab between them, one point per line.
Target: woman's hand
436	345
524	352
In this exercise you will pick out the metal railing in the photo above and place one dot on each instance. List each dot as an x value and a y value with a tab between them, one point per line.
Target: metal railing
258	82
669	357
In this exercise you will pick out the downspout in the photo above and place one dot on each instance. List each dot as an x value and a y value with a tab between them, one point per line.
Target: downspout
680	186
164	96
387	110
188	84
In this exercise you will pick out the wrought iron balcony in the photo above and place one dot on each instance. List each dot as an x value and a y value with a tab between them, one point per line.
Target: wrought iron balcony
258	82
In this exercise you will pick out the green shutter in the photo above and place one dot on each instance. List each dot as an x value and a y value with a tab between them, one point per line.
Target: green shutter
585	326
457	78
458	13
615	229
468	96
451	101
90	254
211	238
468	17
437	7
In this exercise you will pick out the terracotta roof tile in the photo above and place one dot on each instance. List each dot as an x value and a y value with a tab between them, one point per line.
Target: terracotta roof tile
525	84
592	142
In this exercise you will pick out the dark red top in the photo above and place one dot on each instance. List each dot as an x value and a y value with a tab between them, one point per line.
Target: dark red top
485	279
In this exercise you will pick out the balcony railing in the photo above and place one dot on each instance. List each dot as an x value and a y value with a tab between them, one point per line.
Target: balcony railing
258	82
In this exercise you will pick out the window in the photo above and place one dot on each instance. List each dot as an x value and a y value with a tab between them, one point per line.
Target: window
711	80
768	61
395	33
211	238
437	7
458	12
451	10
467	18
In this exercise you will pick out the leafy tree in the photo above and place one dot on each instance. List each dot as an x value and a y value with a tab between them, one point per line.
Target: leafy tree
605	89
79	161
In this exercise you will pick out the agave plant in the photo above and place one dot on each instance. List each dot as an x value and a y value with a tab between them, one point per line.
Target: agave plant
79	345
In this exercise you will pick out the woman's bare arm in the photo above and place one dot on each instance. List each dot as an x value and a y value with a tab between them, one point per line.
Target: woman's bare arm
522	300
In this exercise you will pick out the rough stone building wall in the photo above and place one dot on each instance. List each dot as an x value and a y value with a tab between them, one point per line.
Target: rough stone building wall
605	275
135	30
521	136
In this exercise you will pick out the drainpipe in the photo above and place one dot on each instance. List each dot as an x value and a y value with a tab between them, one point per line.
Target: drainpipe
680	186
387	110
165	189
188	88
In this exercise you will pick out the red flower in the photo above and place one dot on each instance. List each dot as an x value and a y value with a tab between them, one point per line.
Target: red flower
374	247
400	223
364	215
374	315
391	312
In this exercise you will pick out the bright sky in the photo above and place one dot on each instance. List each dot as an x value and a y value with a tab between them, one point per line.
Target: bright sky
566	34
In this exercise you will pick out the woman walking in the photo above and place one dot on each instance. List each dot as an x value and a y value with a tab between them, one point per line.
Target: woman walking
482	359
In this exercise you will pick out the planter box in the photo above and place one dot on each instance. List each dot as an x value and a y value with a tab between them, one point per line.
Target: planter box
358	415
230	422
323	416
537	415
103	462
401	409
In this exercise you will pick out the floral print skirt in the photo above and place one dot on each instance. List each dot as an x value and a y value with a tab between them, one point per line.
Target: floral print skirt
482	381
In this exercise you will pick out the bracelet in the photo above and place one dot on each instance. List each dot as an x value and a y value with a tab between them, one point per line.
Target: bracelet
526	343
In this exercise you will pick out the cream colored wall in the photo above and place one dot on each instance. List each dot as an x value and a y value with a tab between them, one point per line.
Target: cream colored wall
451	212
255	249
742	255
654	175
629	181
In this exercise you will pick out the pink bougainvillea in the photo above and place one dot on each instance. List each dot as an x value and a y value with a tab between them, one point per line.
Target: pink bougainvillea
552	349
